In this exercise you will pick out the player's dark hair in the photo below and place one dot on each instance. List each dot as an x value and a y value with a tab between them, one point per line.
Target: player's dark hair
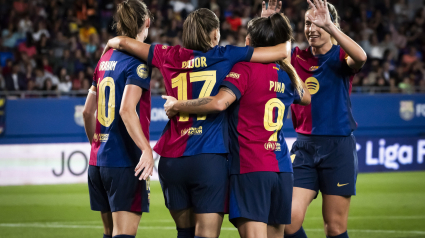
197	28
334	18
131	15
272	31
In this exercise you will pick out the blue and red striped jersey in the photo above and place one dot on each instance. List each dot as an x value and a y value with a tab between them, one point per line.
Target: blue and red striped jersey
112	146
328	79
190	74
264	93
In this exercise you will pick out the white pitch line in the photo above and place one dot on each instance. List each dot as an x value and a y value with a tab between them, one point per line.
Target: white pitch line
309	218
58	225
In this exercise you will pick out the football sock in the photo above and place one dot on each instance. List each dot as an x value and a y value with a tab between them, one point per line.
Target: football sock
343	235
124	236
106	236
185	232
299	234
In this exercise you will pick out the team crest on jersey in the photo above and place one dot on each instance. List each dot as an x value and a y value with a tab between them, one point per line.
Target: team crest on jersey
233	75
78	115
407	110
274	146
313	68
312	85
143	71
95	137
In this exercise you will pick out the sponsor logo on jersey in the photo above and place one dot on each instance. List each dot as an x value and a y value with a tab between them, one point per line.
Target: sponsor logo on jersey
313	68
164	47
340	185
407	110
274	146
191	131
276	68
100	137
233	75
312	85
107	65
196	62
143	71
78	115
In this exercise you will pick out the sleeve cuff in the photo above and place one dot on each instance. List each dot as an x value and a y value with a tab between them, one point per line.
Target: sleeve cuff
150	56
232	87
249	54
139	83
94	83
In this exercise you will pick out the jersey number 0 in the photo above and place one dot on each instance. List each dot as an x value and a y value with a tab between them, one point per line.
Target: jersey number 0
106	120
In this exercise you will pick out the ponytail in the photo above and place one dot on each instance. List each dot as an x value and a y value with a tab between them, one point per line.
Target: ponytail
197	28
292	73
272	31
130	17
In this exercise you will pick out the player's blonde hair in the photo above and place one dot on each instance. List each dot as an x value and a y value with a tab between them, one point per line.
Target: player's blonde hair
197	28
272	31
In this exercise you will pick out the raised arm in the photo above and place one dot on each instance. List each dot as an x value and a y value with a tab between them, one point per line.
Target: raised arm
356	55
217	103
131	98
88	114
132	46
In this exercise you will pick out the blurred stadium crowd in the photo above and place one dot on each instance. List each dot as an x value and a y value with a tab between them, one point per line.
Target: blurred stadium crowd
53	46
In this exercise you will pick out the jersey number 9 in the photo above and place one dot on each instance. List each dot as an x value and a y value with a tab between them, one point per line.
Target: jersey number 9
269	123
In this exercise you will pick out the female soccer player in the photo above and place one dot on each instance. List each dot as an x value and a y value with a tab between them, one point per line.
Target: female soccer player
260	167
325	156
193	166
119	133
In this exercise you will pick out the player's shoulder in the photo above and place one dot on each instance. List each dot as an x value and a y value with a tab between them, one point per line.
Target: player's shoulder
299	54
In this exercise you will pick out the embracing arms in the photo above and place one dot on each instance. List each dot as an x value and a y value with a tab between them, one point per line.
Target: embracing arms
131	98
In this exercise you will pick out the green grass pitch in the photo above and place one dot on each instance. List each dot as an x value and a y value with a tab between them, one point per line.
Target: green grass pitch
387	205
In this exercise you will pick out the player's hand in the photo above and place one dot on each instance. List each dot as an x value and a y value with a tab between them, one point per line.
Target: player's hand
114	43
321	16
145	165
274	7
168	106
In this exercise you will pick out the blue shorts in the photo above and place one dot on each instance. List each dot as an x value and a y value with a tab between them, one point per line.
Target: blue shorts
117	189
199	182
325	163
261	196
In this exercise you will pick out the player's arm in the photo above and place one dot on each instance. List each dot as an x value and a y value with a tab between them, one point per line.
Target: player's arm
356	55
131	98
132	46
305	97
271	53
214	104
88	114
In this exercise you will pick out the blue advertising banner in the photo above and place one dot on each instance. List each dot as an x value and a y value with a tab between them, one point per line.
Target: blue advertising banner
391	154
2	114
59	120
